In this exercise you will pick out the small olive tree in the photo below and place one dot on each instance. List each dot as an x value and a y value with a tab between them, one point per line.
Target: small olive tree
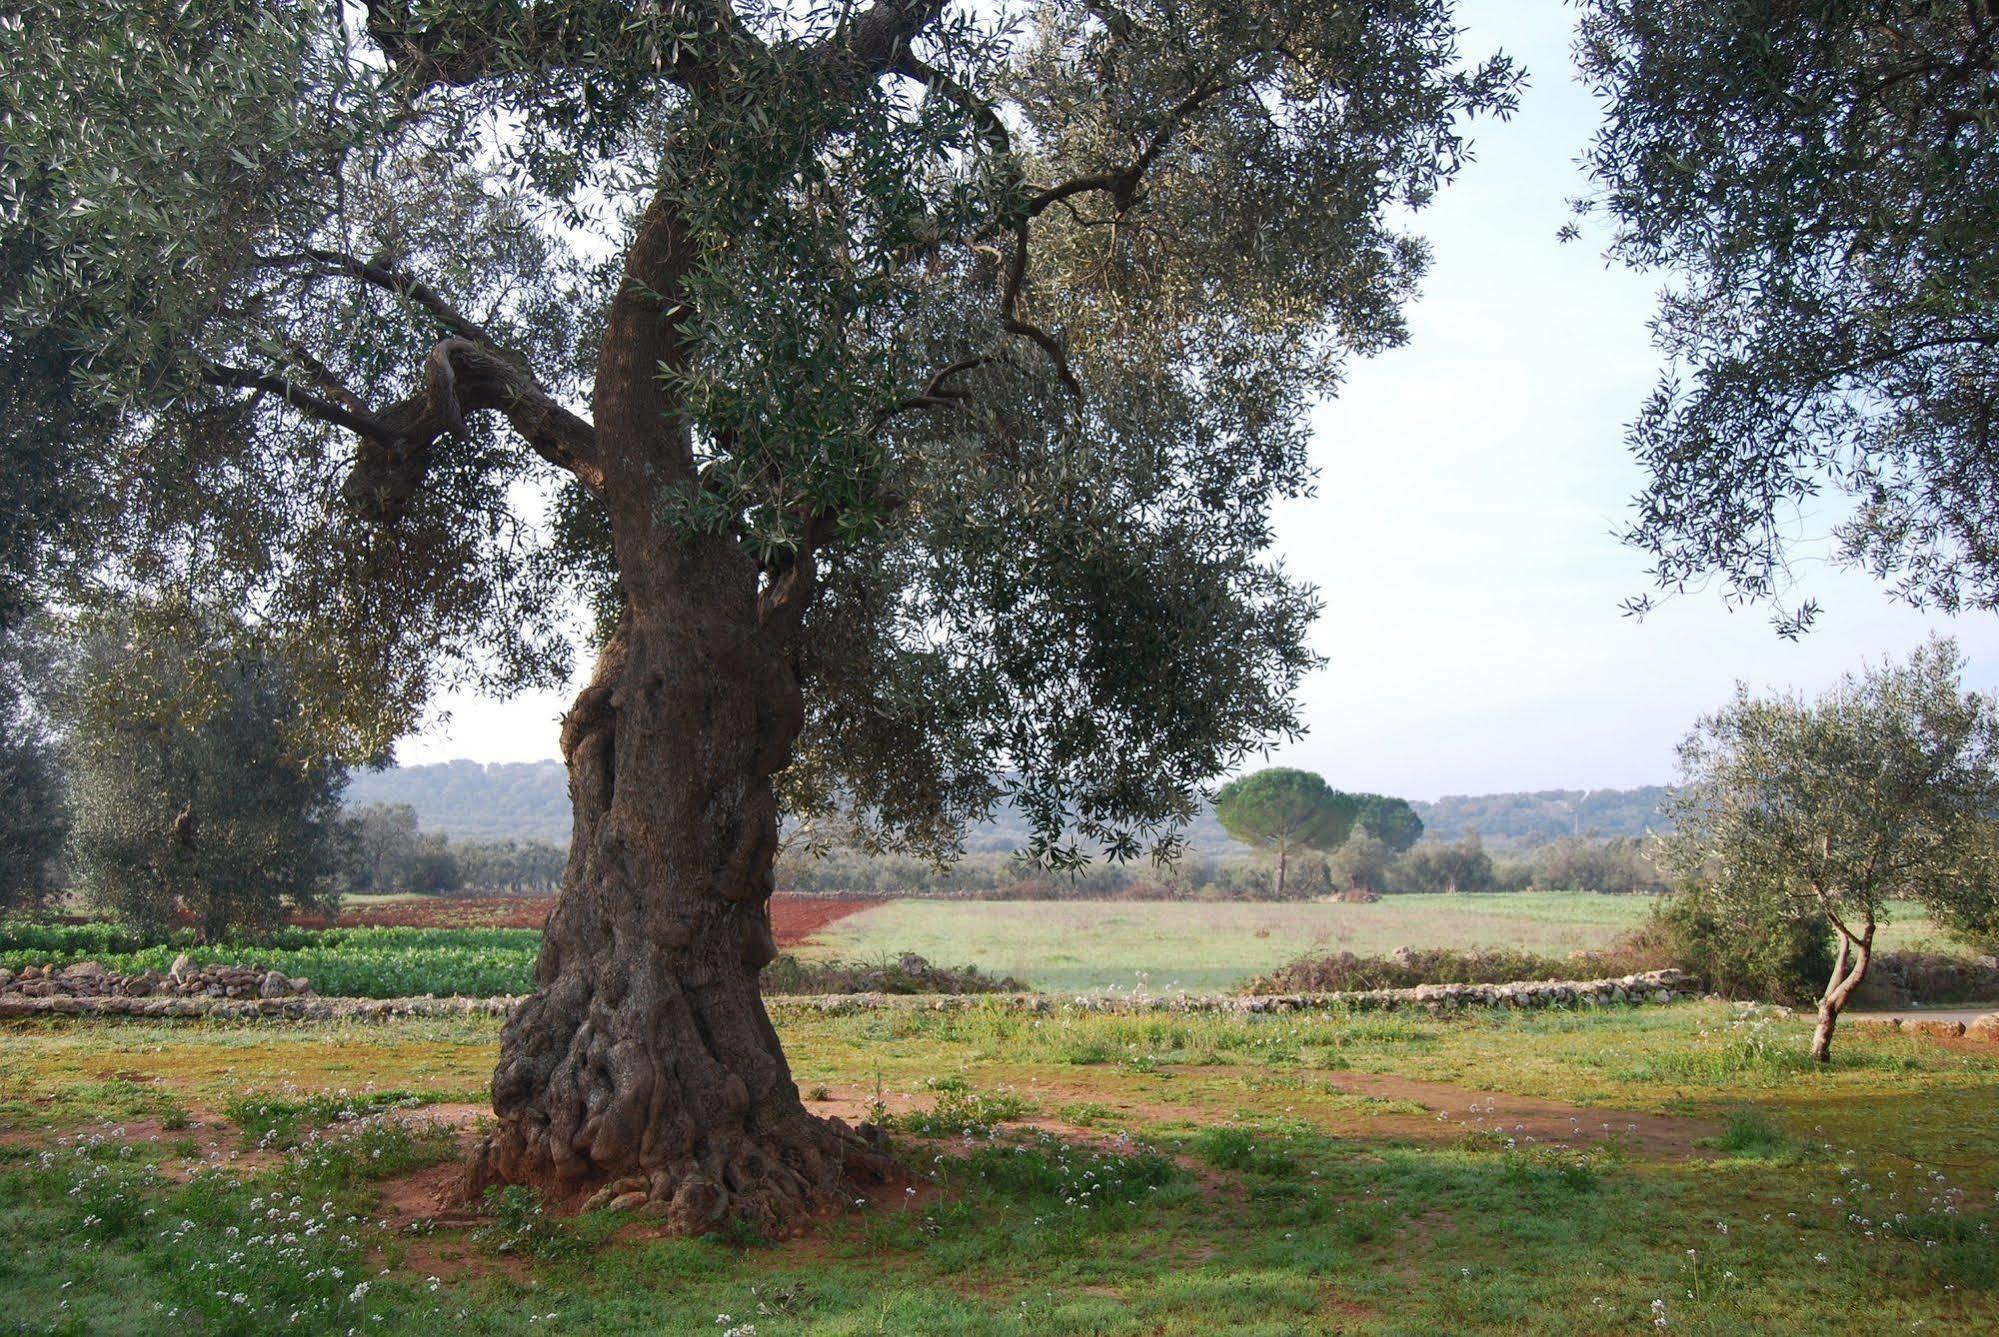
1884	789
1284	811
191	789
32	812
1360	863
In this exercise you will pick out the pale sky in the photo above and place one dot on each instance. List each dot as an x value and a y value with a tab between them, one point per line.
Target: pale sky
1462	535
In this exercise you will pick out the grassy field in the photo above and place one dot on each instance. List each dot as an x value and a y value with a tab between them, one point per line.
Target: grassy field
1082	946
1529	1173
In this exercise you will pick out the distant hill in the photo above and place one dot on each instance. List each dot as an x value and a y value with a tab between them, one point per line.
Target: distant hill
1522	821
530	801
526	800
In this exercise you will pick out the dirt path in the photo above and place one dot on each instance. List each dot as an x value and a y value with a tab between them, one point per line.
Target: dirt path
1450	1114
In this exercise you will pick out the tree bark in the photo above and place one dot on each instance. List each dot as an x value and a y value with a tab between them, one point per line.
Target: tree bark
1839	988
644	1070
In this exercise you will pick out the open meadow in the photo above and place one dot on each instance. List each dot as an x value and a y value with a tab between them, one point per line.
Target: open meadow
1557	1172
1202	946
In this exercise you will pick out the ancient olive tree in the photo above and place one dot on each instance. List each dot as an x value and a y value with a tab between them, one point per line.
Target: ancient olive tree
1818	180
1884	790
911	381
1284	811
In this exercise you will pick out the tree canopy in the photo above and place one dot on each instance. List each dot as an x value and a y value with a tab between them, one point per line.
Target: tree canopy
998	324
1285	810
1819	182
1392	821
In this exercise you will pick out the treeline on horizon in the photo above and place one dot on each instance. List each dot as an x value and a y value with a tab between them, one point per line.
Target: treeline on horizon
529	801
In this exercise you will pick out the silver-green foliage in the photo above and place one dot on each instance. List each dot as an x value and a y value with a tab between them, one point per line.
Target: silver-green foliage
1818	182
1883	790
192	787
33	819
1006	318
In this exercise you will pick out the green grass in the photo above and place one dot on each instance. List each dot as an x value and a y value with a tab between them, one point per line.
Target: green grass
1201	1174
1165	946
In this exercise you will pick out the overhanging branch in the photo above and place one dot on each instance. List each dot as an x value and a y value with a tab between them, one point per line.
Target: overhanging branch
305	401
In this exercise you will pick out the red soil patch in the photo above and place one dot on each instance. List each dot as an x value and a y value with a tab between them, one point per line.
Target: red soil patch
793	918
443	912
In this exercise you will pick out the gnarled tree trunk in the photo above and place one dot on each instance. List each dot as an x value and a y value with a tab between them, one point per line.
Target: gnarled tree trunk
644	1070
645	1063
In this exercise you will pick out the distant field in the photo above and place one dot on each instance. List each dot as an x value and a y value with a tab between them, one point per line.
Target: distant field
1079	946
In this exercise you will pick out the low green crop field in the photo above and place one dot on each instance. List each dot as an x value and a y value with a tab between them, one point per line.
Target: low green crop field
345	962
1199	946
1680	1168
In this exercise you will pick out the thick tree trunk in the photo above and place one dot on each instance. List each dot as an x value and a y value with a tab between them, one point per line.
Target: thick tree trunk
644	1070
1845	979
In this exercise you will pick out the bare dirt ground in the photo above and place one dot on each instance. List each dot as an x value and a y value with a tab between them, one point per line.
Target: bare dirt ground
793	918
1451	1112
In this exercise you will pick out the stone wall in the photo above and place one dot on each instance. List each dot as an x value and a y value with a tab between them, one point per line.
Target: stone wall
1652	986
183	979
1656	986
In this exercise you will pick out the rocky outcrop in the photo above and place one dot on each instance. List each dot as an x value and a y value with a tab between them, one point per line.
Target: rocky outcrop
183	979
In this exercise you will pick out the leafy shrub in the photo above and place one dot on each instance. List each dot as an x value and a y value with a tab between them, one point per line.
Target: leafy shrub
967	1113
1549	1167
1242	1149
1748	947
1750	1136
907	974
1405	969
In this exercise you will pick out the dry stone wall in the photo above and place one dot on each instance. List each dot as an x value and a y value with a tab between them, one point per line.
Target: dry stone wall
183	979
247	1002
